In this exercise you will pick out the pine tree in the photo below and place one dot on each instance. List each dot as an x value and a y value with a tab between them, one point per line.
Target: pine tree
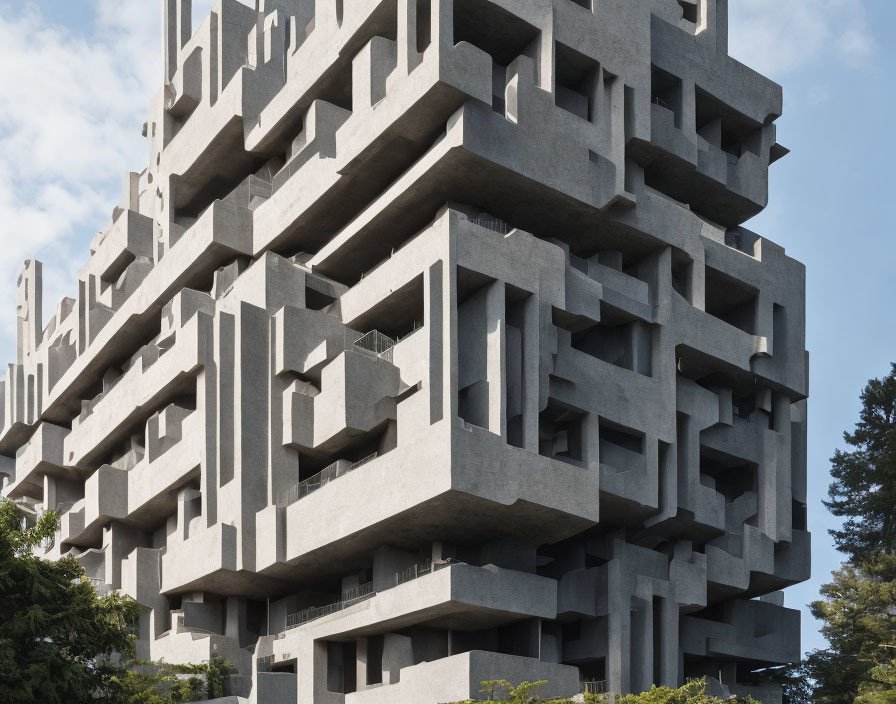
864	487
858	608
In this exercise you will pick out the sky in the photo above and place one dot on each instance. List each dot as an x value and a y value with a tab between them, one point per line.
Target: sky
76	77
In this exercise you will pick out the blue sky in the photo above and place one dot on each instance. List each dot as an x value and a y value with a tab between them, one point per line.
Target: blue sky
77	75
831	204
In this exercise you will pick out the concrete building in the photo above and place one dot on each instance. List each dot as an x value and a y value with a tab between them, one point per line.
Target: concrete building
429	348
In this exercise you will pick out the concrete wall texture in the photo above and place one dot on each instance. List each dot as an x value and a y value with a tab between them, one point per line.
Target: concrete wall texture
429	348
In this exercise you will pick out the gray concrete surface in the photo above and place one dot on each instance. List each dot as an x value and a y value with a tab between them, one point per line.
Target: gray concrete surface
430	348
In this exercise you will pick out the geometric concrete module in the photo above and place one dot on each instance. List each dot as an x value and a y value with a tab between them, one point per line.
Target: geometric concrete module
429	349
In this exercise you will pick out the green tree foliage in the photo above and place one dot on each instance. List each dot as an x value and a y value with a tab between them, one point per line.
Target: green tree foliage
694	692
864	488
161	683
881	689
520	694
858	607
56	635
858	613
54	631
795	683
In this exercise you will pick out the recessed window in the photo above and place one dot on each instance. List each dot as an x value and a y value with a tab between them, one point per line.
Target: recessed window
576	81
689	10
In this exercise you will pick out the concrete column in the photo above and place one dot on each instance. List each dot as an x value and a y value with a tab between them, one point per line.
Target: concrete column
688	108
188	507
29	309
49	492
530	377
361	663
319	671
617	130
177	27
207	408
618	633
442	24
641	646
495	314
543	54
408	58
688	457
591	440
397	653
235	618
119	540
438	289
698	280
721	21
371	67
252	374
668	666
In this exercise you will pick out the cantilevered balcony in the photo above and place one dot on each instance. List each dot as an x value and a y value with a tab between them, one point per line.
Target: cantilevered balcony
218	236
42	454
163	370
757	631
481	477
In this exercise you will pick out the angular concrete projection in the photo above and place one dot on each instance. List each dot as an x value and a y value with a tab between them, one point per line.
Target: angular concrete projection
430	348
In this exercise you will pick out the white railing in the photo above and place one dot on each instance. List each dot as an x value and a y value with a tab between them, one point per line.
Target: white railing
333	471
378	343
490	222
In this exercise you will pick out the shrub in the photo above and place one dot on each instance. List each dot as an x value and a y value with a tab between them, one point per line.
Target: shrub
163	683
694	692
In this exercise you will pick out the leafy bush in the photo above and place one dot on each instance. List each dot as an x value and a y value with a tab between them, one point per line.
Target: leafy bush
57	637
504	691
694	692
55	634
161	683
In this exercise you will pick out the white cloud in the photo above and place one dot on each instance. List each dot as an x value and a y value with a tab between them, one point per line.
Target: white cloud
855	45
779	36
73	104
74	100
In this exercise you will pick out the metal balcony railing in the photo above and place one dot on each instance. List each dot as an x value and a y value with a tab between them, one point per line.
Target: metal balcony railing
364	591
348	598
325	476
420	569
417	325
490	222
378	343
593	687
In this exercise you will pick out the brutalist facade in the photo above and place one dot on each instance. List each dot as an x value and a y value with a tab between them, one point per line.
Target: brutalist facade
429	349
